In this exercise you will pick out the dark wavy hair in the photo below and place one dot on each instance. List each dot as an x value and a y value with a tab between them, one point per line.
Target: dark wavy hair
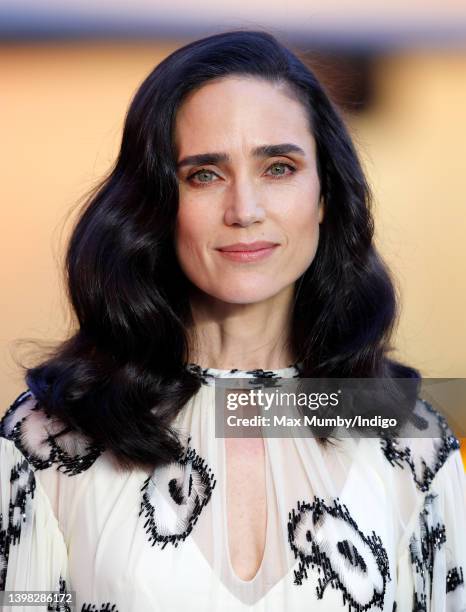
121	378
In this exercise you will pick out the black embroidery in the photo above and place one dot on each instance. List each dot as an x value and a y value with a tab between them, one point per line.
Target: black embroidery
66	463
23	485
423	546
363	554
401	456
106	607
419	602
61	605
350	552
189	483
454	578
208	375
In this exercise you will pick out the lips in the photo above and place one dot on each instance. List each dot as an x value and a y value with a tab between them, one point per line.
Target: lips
247	246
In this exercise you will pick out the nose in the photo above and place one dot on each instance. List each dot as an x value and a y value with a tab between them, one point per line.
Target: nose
243	205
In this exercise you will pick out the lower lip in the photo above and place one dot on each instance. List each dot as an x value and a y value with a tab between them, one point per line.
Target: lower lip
245	256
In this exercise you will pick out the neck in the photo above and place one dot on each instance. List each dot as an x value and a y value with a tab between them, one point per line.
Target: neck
244	336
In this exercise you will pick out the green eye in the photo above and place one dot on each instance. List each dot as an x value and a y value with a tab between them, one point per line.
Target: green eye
280	166
202	174
201	177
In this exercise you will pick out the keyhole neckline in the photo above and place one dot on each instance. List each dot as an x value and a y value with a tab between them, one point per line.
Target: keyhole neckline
225	519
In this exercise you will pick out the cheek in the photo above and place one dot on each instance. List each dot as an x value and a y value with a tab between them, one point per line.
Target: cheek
193	233
308	228
303	232
303	253
188	232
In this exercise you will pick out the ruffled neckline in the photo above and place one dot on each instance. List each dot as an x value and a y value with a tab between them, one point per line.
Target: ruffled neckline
208	374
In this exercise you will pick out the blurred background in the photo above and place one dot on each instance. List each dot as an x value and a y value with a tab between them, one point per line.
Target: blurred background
397	70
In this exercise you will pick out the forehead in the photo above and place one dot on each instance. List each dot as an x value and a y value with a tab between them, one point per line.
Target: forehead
234	111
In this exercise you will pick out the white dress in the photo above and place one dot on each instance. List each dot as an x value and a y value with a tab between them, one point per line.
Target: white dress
368	524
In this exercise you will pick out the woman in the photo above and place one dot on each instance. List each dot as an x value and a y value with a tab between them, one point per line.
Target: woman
233	238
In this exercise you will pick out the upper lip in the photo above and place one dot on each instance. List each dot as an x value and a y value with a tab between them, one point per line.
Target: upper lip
248	246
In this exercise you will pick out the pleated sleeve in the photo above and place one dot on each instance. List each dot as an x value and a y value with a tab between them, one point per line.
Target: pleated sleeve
33	554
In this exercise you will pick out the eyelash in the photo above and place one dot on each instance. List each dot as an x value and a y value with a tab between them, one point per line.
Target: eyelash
205	184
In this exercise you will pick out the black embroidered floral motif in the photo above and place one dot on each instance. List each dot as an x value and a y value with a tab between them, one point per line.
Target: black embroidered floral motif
310	532
106	607
61	605
23	485
454	578
51	449
423	547
187	484
259	376
401	456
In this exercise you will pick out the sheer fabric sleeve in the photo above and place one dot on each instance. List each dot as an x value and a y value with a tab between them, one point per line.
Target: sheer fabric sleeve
33	554
432	554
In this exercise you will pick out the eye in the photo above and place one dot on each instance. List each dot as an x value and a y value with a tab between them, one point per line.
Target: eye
281	166
203	175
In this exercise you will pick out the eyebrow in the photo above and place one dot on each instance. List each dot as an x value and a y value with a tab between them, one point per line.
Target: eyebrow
261	152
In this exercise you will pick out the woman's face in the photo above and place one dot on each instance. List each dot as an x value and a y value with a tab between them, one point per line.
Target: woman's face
254	179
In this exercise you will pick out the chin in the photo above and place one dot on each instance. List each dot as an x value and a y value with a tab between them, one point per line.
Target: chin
239	295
